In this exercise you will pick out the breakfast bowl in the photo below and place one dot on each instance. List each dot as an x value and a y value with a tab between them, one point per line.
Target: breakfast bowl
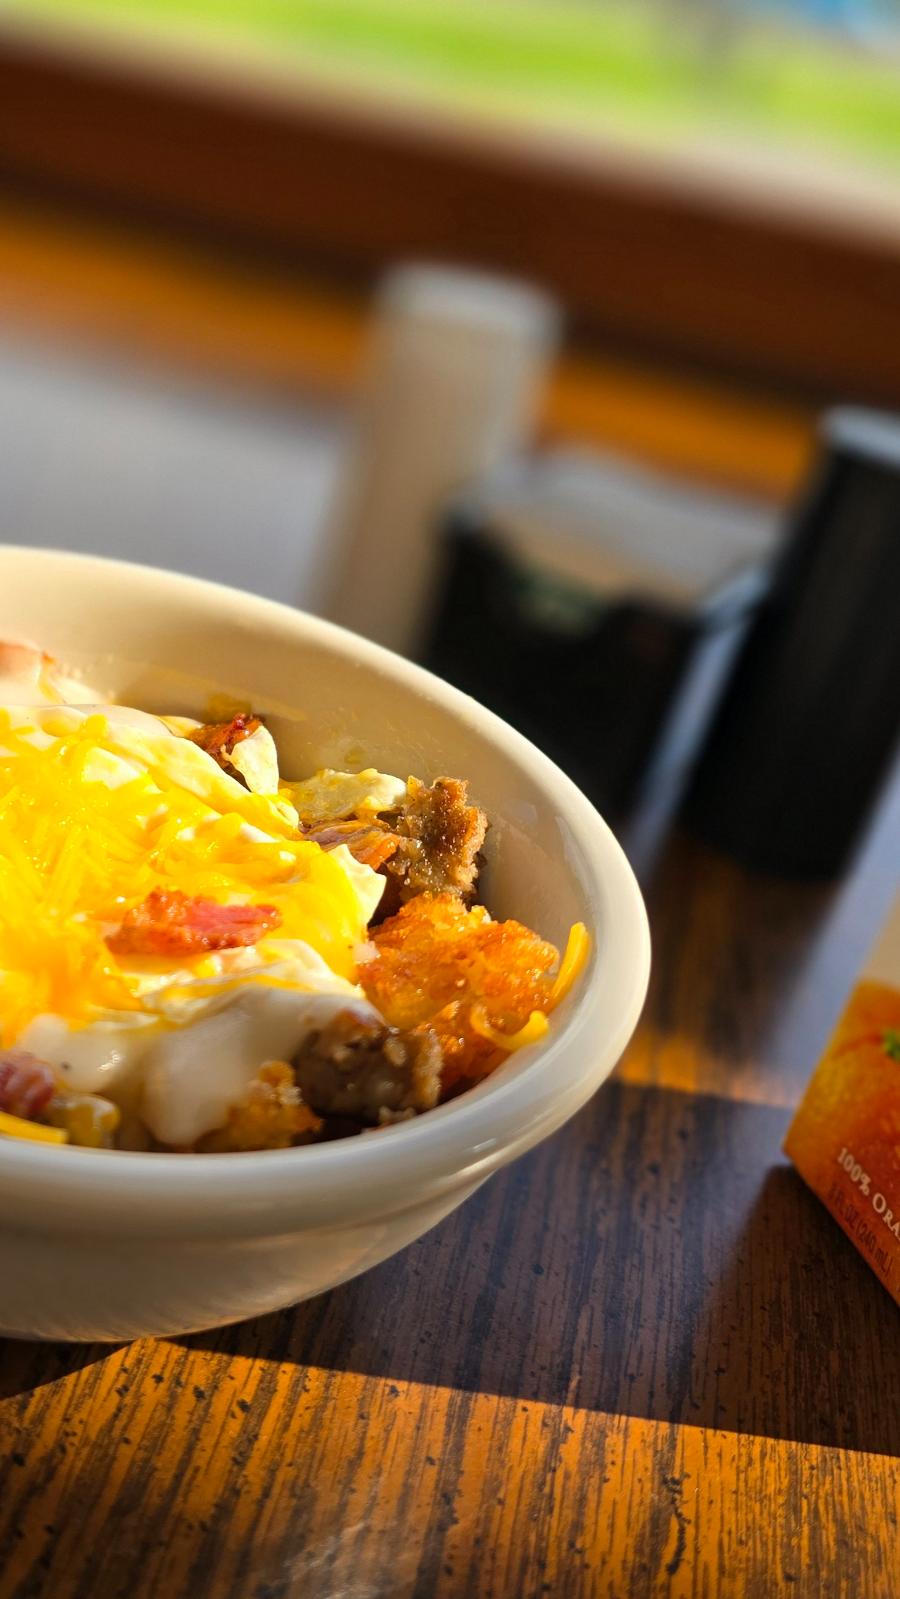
110	1244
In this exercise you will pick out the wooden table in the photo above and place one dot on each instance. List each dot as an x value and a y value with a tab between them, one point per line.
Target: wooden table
641	1361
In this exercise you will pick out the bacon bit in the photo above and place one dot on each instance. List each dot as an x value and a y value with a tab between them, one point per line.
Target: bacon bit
367	842
171	923
23	660
218	739
27	1084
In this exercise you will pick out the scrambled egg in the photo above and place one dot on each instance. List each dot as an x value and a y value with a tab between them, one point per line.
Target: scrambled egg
331	796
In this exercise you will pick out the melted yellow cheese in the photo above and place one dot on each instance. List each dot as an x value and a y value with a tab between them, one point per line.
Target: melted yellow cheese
578	947
34	1132
94	814
533	1030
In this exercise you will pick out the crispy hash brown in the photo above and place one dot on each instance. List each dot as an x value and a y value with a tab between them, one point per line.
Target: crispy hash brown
271	1115
472	980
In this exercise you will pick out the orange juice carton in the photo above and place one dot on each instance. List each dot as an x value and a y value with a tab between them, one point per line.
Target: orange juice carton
845	1137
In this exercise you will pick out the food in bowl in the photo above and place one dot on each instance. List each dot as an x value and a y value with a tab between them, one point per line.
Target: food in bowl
200	956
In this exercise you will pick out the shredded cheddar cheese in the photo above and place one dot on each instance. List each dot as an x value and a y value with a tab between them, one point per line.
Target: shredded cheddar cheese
573	962
94	816
18	1127
534	1029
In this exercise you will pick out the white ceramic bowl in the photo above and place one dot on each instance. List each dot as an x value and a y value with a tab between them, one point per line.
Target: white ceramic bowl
107	1245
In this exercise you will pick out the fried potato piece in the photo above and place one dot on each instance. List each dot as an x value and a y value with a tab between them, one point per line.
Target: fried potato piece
271	1115
437	963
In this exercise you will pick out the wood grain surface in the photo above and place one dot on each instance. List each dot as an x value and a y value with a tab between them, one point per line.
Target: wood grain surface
643	1360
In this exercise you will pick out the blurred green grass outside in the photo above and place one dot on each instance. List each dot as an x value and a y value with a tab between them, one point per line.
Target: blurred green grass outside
663	71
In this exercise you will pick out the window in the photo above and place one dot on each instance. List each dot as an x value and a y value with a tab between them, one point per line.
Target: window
716	179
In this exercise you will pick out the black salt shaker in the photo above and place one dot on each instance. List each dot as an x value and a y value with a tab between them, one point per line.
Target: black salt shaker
811	718
598	609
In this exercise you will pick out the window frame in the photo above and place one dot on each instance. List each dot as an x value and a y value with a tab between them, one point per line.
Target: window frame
644	261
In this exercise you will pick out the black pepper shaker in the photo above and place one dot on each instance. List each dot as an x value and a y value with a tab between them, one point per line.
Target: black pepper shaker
811	717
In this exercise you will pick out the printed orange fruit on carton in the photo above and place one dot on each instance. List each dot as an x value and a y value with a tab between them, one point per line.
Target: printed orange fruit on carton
845	1137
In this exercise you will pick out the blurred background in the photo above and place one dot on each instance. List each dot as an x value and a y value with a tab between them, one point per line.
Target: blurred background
500	330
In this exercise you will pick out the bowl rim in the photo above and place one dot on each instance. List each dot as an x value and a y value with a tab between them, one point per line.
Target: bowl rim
392	1170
